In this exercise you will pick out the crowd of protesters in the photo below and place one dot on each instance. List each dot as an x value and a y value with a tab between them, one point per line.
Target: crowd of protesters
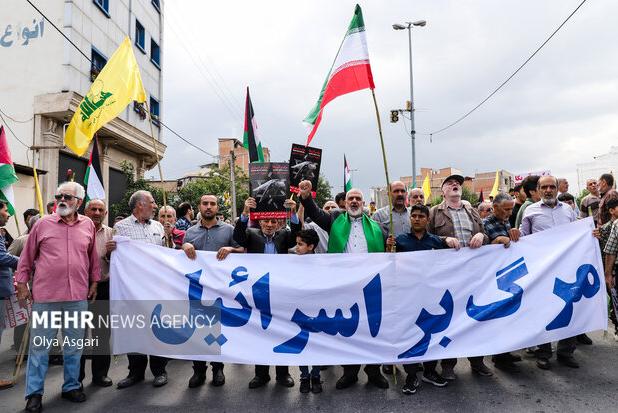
62	263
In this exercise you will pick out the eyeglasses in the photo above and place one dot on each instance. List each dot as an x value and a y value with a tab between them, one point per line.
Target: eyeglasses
67	197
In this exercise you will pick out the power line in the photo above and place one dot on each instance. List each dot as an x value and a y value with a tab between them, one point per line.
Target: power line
11	130
223	87
88	58
511	76
59	31
16	120
187	142
200	65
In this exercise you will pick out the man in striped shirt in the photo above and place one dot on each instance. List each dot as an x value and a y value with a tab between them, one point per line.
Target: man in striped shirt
140	226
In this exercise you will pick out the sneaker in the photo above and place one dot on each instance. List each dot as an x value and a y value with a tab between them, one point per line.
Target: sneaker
411	385
482	370
448	373
432	377
305	385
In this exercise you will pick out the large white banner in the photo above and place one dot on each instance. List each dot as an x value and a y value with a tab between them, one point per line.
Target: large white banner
360	308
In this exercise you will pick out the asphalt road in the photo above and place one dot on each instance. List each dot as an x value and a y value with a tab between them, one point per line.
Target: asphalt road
589	388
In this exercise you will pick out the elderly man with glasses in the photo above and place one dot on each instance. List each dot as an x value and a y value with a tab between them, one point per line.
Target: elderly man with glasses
66	274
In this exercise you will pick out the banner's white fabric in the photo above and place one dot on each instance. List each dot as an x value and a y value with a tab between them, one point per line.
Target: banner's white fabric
365	308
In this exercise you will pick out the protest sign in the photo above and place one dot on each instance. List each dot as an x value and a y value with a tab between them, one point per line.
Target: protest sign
304	165
268	184
520	177
14	314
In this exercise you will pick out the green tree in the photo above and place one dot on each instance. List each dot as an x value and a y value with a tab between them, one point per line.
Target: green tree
469	196
466	195
122	207
581	196
323	193
219	184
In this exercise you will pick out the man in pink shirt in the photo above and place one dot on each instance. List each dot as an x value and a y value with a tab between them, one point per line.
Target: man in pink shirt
61	257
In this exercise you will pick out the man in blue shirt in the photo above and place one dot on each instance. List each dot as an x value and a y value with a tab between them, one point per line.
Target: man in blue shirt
209	234
418	239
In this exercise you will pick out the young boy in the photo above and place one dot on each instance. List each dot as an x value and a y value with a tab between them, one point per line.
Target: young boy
420	240
306	241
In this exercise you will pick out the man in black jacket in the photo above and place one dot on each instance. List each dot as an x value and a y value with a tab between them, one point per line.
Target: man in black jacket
267	240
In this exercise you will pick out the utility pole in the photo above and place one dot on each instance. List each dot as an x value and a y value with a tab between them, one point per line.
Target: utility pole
233	183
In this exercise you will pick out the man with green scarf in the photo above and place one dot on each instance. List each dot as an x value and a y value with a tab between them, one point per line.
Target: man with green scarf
350	231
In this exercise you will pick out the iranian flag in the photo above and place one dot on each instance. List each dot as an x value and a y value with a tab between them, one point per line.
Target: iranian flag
251	140
350	71
7	174
347	176
93	180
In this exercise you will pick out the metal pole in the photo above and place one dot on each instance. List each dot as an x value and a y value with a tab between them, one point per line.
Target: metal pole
233	183
412	131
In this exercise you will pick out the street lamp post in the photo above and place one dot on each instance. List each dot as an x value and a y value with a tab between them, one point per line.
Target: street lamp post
408	25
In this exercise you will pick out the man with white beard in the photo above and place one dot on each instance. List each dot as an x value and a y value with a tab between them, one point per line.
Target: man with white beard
66	274
350	231
542	215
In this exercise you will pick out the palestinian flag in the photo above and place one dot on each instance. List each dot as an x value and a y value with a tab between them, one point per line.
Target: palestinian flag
347	176
93	180
251	140
350	71
7	174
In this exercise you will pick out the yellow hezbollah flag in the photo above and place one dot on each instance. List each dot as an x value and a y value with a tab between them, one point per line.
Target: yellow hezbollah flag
427	188
115	87
496	188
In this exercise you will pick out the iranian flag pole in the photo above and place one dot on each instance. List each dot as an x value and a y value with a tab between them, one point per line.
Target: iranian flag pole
350	72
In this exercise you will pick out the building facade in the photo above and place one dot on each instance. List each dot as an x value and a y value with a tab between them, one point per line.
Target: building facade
481	181
241	154
602	164
44	79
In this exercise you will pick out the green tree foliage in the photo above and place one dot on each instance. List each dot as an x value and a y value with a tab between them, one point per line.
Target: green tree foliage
122	207
466	194
581	196
323	193
219	184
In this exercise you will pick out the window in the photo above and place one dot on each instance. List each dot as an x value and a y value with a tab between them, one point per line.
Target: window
156	5
139	109
155	54
98	62
140	36
103	5
154	110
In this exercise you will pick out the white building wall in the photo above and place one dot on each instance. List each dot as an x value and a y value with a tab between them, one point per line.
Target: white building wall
27	70
48	65
606	163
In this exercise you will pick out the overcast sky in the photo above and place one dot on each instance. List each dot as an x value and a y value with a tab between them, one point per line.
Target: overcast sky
561	109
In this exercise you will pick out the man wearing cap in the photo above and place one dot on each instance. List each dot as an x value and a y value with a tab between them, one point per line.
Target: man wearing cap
456	218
